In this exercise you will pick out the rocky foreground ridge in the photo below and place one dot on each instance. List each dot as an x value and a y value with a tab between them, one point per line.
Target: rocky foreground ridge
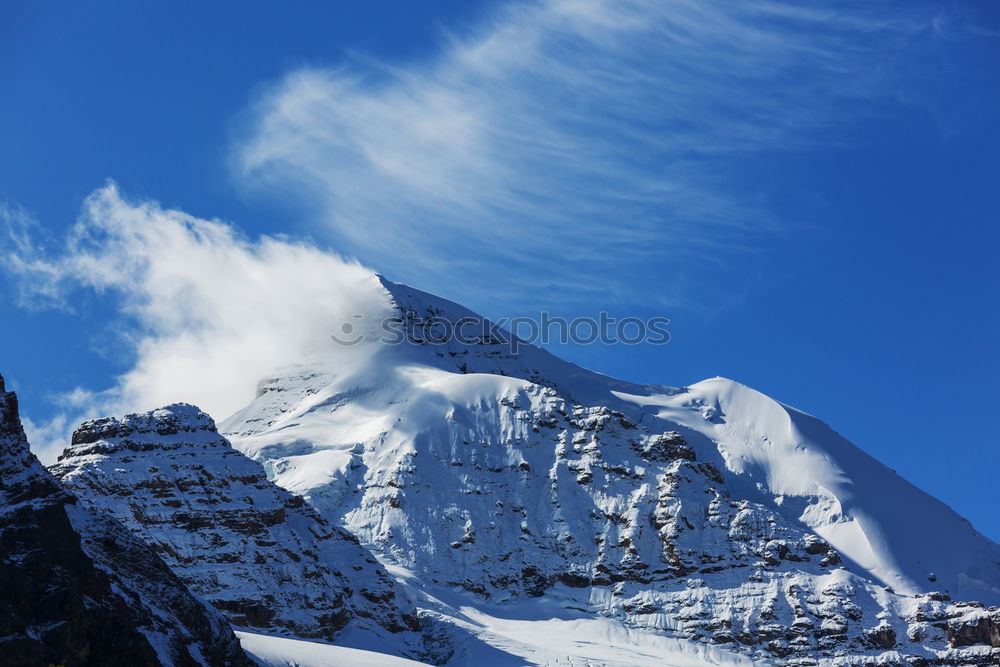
259	554
77	589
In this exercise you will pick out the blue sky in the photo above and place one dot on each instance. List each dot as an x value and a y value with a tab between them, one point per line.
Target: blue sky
810	195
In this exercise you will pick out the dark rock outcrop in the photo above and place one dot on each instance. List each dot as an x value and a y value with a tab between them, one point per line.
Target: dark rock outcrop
982	628
881	637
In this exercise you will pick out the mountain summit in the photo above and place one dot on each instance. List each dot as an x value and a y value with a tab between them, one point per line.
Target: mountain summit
709	512
262	556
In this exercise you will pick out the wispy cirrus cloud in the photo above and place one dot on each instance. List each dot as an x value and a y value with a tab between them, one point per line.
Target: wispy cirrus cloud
571	143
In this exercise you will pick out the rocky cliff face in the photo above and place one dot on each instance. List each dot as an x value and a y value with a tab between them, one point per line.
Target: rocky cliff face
77	589
256	552
708	513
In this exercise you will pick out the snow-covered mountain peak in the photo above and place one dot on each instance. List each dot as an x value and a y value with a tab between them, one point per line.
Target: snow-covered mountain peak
256	552
510	472
179	418
449	336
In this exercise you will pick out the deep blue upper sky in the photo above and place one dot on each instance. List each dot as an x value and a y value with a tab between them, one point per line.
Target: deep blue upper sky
871	304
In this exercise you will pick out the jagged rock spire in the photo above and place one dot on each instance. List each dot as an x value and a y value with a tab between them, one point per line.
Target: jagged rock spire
10	421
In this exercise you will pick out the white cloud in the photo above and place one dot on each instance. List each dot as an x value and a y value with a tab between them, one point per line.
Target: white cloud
580	142
206	313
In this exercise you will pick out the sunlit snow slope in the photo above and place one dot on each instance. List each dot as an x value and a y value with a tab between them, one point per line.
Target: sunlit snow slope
271	651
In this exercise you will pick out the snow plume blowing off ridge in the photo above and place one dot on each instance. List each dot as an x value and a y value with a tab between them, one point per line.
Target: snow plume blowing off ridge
207	312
